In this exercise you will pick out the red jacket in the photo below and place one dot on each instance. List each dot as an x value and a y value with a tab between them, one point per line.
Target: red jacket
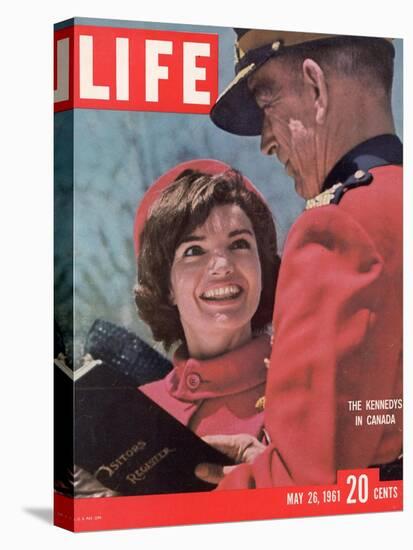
216	395
338	337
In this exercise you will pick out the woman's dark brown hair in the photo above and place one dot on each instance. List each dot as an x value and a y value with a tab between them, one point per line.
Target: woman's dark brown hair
182	207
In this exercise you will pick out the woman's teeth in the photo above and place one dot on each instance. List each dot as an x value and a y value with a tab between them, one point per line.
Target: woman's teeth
222	293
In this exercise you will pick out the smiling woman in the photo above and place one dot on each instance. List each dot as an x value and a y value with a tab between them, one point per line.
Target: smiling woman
207	267
216	282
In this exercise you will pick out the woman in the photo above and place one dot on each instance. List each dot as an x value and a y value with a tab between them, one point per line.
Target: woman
207	267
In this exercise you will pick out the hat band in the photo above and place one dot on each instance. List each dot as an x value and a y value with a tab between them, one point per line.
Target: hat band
261	54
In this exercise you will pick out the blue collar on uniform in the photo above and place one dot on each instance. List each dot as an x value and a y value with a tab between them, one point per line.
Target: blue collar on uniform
378	151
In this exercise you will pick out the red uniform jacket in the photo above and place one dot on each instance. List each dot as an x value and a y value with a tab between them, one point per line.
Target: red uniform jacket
216	395
338	338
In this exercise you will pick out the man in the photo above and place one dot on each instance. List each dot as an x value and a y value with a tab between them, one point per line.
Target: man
322	105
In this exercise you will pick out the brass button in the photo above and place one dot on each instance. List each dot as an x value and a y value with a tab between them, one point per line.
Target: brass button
260	404
359	174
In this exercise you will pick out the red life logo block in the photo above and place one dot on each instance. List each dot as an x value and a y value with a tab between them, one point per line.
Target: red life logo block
135	69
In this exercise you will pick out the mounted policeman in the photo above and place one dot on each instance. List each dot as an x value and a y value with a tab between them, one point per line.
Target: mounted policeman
322	105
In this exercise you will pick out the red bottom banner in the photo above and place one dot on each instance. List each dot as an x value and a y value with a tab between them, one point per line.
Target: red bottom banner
356	491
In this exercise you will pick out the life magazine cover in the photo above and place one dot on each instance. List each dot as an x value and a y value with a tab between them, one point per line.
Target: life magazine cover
228	274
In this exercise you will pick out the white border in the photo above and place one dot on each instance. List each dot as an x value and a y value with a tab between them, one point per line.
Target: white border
26	266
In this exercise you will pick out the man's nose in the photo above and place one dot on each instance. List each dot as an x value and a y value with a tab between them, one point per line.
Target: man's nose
268	143
220	264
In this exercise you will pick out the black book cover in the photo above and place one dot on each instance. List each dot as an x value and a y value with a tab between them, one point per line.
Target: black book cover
129	443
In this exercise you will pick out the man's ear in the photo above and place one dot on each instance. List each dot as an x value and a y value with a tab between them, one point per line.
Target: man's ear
314	76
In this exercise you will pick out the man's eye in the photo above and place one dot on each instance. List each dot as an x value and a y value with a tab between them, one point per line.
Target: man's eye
240	244
194	250
269	105
264	100
261	104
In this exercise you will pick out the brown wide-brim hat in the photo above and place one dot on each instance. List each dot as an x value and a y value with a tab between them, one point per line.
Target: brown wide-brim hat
235	110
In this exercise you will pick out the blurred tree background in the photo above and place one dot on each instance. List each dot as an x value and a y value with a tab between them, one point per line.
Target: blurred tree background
112	157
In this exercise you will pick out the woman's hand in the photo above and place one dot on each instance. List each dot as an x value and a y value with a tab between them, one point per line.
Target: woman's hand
240	447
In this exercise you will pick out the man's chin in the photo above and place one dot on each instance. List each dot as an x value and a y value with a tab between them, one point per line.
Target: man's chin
303	190
300	189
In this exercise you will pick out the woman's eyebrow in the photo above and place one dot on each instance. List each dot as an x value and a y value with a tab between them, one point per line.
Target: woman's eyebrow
234	233
240	232
190	238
